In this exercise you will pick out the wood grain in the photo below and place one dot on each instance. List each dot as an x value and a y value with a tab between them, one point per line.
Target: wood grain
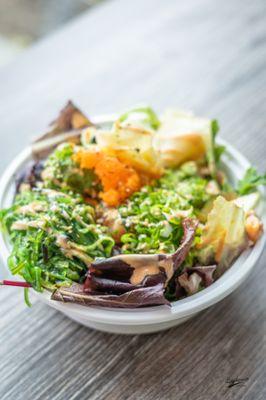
205	55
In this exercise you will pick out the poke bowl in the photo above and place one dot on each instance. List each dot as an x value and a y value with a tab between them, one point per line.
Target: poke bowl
151	317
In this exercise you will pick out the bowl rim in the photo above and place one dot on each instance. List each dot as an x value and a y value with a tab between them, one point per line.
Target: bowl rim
225	285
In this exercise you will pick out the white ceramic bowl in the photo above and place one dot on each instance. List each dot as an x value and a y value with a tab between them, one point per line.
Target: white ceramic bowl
148	319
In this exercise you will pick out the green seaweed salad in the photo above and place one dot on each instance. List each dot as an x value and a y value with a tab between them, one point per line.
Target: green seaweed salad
69	212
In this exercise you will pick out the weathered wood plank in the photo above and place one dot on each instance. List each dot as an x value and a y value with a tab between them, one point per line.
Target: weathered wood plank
205	55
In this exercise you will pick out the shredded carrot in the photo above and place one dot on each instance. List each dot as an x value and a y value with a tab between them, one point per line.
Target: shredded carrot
119	181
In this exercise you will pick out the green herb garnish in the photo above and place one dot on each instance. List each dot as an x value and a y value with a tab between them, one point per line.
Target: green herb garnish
251	181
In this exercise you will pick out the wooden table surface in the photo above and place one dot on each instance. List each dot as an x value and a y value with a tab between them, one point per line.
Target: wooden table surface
205	55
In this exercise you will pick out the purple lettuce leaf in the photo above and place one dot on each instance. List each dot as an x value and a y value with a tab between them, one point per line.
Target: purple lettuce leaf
191	283
98	284
145	296
193	279
66	127
189	226
206	273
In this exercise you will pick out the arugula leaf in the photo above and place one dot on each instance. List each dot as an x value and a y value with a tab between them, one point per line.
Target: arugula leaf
215	151
215	127
218	152
218	149
250	181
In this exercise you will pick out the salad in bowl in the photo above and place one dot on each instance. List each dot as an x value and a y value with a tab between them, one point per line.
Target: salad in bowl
134	213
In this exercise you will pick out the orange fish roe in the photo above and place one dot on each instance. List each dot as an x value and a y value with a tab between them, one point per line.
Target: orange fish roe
119	181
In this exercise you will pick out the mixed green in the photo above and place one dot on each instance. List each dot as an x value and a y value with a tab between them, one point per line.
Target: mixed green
142	187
